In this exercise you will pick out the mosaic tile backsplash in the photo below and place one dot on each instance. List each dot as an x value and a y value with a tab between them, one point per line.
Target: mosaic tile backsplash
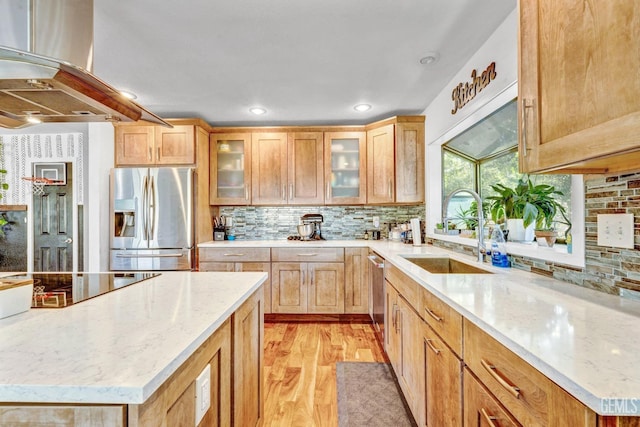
340	222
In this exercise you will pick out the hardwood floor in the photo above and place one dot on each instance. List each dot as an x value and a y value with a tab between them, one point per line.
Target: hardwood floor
300	369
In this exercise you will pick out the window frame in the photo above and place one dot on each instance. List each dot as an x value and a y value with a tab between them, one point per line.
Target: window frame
434	194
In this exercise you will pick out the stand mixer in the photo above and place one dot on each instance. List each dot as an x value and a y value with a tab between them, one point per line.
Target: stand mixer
314	220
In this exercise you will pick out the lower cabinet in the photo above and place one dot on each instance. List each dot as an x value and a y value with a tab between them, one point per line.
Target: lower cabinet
481	409
356	280
26	415
404	334
248	363
307	287
173	404
442	397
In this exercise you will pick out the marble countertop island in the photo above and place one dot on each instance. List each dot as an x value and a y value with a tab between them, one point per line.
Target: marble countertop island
118	347
583	340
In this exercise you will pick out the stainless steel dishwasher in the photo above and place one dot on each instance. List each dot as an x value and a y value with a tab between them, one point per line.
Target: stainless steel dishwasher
376	276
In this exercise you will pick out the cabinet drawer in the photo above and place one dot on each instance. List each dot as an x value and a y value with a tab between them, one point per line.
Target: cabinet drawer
532	398
307	254
235	254
480	408
406	286
444	320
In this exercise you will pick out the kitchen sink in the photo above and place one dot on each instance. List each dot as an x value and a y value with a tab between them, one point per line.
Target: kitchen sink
445	265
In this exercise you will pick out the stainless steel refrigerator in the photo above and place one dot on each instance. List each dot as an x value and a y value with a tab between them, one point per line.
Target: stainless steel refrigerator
152	219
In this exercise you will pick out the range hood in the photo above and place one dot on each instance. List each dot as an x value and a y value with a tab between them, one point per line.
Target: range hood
46	58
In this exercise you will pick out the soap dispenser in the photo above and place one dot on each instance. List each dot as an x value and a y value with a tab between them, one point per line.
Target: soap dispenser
499	248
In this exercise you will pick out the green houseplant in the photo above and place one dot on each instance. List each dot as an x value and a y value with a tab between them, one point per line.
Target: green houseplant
535	204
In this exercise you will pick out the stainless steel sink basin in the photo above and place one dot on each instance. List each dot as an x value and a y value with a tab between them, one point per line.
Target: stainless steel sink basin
445	265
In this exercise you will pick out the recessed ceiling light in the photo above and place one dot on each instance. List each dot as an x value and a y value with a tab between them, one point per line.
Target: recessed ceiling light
430	58
128	95
362	107
257	110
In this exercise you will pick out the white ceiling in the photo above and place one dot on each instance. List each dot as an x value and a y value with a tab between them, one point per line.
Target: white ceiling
305	61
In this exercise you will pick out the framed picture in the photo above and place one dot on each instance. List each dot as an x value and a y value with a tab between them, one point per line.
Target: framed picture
56	172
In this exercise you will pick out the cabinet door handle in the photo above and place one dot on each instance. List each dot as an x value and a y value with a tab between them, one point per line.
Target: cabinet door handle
309	254
490	419
290	191
390	190
246	192
149	154
157	153
432	314
284	191
525	105
233	254
327	192
432	347
394	318
515	391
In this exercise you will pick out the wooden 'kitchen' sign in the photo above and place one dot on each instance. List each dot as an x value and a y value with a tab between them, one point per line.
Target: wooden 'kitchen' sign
465	92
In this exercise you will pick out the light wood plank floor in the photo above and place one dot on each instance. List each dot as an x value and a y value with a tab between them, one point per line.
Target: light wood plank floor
300	369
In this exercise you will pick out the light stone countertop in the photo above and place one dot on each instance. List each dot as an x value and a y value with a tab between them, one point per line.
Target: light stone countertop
121	346
583	340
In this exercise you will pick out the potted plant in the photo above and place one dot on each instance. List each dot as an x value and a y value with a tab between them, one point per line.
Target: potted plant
525	207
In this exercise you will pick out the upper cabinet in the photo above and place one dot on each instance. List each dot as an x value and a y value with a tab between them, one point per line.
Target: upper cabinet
345	155
144	145
578	102
395	161
287	168
230	163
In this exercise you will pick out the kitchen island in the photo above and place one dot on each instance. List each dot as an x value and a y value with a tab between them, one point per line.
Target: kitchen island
127	347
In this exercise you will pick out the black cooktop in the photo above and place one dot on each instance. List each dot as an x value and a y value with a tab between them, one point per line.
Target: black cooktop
57	290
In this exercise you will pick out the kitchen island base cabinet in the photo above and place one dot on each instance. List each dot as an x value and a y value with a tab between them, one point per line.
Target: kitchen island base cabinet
480	408
248	363
173	404
22	415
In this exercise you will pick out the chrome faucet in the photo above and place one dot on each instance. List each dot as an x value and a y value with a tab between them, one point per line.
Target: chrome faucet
482	250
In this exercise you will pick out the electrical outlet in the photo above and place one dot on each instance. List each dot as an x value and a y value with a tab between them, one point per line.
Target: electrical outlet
203	393
615	230
376	221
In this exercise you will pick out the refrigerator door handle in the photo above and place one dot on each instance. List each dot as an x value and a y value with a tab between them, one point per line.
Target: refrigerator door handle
173	255
145	213
152	208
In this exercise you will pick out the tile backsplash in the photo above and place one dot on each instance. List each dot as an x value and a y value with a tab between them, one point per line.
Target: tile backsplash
340	222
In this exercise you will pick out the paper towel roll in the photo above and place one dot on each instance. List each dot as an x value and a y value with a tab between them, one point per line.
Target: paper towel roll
416	232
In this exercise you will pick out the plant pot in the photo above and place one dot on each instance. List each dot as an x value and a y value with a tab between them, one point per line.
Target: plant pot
517	231
546	237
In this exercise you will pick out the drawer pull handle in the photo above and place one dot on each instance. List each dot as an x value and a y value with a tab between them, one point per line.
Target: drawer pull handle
432	314
515	391
233	254
431	346
309	254
489	418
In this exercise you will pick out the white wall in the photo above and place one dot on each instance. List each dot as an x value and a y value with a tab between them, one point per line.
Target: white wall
100	159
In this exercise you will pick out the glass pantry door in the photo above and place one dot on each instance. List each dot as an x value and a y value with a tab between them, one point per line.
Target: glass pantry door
345	164
230	169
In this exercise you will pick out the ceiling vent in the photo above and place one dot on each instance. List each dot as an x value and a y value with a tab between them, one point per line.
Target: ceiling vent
46	59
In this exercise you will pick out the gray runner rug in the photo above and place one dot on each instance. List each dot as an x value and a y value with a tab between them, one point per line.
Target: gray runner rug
368	396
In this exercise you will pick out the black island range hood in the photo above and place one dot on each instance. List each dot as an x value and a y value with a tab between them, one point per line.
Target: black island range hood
46	58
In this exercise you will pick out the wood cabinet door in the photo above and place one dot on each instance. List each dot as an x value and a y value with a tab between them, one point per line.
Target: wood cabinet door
409	360
134	145
574	104
480	407
288	287
409	162
326	287
248	366
391	336
230	169
269	168
345	168
176	145
442	382
356	280
306	168
381	165
260	267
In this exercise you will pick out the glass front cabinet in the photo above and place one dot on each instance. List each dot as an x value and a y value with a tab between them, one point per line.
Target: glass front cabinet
345	168
230	169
